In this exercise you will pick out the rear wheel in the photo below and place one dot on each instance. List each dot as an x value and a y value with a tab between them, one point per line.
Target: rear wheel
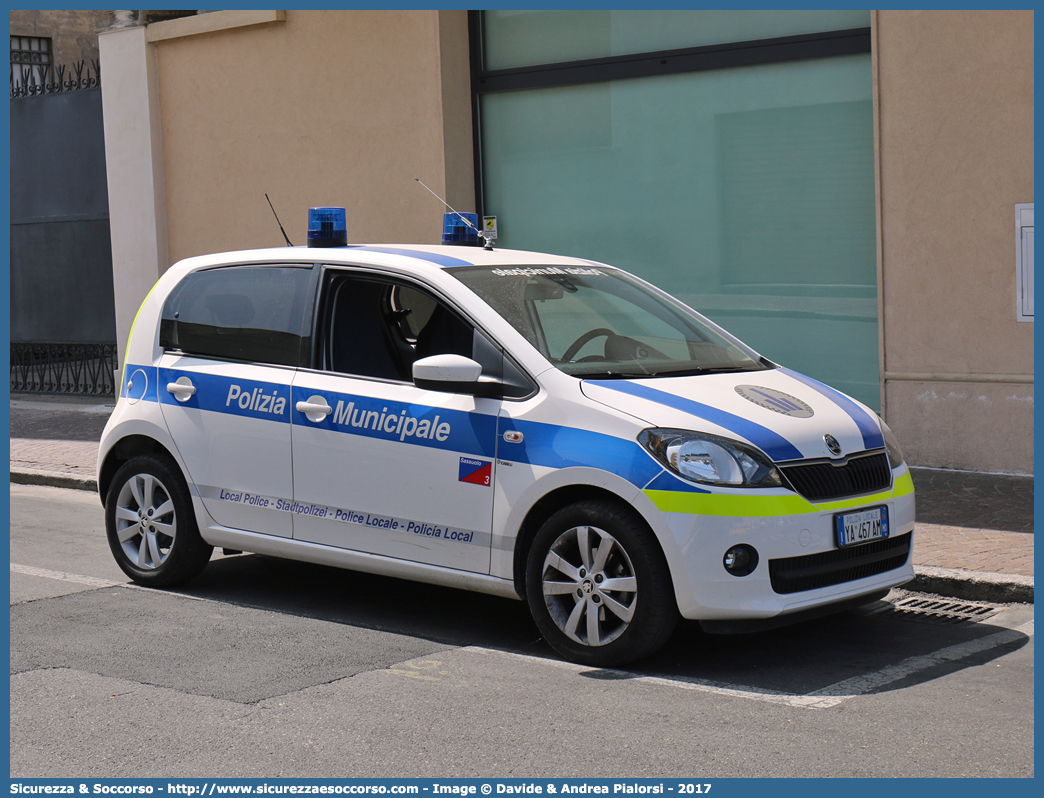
150	524
598	585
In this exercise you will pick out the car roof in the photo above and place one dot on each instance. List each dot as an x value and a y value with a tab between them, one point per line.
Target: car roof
417	257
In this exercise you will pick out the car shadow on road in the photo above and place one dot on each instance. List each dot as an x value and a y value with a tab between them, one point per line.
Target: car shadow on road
800	659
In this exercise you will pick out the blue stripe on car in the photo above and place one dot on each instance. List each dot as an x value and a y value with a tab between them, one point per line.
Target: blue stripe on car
416	425
222	394
467	433
668	481
548	445
771	443
566	447
432	257
868	427
143	393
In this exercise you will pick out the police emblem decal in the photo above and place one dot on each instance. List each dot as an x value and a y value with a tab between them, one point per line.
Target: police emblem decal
776	401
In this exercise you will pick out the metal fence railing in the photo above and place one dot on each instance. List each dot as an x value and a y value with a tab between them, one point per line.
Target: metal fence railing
32	81
64	368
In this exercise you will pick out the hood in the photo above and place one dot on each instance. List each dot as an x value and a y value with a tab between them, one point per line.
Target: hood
786	415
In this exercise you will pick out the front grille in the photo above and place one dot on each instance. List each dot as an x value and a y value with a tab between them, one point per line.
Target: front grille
824	481
812	571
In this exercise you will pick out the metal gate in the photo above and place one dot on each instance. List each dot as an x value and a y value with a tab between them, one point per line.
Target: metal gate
63	318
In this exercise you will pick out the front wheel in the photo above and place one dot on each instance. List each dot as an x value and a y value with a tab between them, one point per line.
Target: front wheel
150	524
598	585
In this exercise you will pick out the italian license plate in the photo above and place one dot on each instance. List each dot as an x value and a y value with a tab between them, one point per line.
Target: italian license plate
861	527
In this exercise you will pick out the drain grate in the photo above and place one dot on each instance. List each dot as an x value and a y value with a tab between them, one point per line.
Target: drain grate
942	611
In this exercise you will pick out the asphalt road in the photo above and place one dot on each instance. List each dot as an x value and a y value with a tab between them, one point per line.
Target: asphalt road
267	668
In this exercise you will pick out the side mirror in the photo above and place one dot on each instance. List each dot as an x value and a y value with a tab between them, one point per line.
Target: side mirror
448	373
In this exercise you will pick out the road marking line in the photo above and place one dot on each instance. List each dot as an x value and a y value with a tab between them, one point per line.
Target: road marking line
28	570
827	697
91	581
682	682
860	685
414	675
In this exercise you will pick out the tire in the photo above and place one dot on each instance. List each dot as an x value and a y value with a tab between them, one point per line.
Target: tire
608	606
150	523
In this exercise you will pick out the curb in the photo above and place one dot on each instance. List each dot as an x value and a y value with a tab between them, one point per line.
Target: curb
972	585
950	582
55	479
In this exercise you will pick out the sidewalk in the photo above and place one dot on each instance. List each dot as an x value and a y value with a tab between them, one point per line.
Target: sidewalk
973	540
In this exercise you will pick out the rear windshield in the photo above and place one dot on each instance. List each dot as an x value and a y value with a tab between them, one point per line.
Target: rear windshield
601	322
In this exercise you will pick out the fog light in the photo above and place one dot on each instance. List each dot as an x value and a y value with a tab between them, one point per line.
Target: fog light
740	560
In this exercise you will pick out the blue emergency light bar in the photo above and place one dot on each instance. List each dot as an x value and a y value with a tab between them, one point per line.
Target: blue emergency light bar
455	231
327	227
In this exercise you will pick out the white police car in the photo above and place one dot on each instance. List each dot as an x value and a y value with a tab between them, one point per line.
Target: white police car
513	423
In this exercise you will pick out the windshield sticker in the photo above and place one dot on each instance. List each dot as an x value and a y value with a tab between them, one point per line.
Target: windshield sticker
547	271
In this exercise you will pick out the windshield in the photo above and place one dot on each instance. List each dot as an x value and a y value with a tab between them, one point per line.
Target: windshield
602	322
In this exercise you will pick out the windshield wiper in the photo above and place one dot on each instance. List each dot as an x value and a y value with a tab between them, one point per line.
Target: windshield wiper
610	375
703	370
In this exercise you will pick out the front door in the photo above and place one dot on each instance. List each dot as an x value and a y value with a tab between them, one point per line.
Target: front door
380	465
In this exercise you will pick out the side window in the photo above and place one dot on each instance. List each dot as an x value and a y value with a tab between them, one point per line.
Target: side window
260	314
377	328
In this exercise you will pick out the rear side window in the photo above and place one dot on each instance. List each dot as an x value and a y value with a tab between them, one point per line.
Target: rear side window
260	314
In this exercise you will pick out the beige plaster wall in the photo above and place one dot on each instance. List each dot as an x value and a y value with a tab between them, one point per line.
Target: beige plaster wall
339	108
955	155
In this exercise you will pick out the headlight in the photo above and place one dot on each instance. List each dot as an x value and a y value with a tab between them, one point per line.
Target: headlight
895	455
711	459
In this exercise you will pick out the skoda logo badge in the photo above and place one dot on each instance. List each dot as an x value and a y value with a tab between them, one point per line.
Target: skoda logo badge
776	401
832	444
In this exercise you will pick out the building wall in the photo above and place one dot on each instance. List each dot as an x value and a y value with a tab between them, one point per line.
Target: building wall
955	154
348	107
73	34
340	108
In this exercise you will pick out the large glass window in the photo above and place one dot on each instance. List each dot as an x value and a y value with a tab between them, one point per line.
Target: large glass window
747	192
518	38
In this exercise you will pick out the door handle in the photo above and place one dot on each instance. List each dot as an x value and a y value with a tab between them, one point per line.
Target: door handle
315	408
182	389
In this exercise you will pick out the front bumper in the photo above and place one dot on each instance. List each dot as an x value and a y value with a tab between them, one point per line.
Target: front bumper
800	567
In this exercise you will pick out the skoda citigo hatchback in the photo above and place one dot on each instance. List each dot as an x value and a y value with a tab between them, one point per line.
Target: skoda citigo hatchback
532	426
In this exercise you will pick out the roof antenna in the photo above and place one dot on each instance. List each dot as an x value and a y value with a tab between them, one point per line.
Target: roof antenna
485	237
276	215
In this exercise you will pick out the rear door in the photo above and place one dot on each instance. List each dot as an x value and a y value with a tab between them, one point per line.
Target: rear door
233	338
